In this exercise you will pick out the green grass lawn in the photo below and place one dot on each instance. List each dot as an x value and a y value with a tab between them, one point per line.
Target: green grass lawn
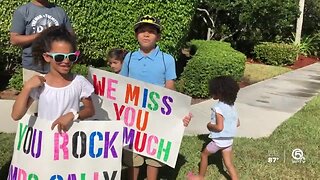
250	155
254	73
6	149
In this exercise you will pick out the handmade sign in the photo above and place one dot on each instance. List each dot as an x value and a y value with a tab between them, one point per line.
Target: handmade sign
89	150
152	114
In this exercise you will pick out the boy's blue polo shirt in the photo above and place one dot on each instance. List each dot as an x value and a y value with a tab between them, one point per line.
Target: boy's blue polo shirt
155	68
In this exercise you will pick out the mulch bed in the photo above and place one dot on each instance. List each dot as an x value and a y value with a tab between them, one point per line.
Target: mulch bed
304	61
4	92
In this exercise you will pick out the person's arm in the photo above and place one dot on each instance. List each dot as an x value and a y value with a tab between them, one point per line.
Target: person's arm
124	69
24	100
170	74
218	127
64	122
18	29
186	120
22	103
87	110
170	85
22	40
238	123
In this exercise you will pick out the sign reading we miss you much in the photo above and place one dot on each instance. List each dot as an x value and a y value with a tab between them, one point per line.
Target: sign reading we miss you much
87	151
152	115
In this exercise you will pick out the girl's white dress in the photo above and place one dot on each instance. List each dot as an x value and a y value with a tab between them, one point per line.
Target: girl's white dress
54	102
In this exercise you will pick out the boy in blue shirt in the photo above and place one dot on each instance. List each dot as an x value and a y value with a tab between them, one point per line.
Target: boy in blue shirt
151	65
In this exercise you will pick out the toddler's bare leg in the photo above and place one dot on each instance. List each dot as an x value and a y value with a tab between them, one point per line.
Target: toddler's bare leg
204	162
227	159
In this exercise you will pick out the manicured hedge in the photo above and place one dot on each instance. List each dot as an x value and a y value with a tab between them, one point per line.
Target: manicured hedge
278	54
212	59
16	81
9	55
101	25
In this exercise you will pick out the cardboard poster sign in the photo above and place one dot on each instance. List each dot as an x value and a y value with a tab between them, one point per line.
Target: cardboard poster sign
89	150
152	115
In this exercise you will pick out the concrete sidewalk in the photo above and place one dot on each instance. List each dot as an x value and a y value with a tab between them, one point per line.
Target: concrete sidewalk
6	123
263	106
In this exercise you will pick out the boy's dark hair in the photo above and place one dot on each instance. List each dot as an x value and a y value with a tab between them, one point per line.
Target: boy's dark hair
43	42
117	53
225	87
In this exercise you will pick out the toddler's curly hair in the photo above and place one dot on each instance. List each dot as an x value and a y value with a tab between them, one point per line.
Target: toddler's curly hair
225	88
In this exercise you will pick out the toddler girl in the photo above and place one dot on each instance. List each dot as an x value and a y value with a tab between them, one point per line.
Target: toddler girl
223	125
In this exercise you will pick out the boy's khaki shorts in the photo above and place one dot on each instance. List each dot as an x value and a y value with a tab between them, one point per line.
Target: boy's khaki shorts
28	74
132	159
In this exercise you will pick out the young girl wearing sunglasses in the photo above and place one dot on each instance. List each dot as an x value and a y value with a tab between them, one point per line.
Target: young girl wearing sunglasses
59	92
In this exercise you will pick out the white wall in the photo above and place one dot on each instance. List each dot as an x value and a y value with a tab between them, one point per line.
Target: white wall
6	123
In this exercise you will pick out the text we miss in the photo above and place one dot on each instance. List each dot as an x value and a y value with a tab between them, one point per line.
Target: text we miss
140	97
135	113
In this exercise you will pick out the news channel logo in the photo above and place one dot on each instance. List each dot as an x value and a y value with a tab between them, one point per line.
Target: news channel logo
297	156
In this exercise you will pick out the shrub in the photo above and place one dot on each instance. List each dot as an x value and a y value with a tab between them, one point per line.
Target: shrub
277	54
311	17
16	81
212	59
10	55
317	44
101	25
80	69
245	23
308	44
106	68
